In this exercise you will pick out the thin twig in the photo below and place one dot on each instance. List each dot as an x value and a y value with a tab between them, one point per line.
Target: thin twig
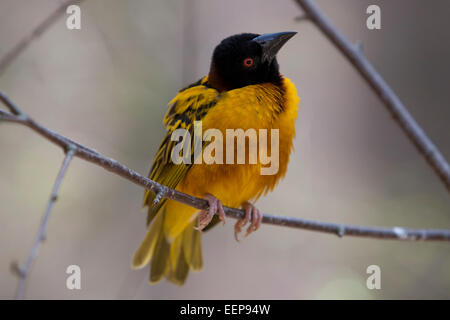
397	109
10	105
23	272
24	119
12	54
397	233
5	116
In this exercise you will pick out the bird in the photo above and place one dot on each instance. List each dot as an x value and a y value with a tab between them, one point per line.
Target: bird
243	89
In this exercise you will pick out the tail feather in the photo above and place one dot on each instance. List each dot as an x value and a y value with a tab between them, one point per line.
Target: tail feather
170	259
178	272
160	259
145	251
192	248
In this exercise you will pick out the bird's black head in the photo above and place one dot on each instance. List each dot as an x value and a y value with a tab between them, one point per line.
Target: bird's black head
246	59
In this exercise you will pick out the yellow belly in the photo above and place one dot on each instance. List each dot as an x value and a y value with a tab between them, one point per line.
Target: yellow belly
235	184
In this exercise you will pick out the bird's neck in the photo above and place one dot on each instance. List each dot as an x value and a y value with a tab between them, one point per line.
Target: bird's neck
215	81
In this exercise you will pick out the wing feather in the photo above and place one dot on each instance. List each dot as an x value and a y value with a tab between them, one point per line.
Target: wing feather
191	104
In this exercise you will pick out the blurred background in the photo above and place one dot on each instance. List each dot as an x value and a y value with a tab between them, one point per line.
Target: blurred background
107	86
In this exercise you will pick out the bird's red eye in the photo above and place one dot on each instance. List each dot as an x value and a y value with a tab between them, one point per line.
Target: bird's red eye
248	62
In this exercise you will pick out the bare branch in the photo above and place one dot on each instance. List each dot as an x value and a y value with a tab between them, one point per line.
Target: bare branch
5	116
12	54
397	233
10	105
398	111
23	272
24	119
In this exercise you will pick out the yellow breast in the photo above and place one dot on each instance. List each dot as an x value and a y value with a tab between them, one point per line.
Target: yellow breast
257	107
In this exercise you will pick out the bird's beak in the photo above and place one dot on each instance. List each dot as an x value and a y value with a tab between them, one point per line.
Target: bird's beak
271	43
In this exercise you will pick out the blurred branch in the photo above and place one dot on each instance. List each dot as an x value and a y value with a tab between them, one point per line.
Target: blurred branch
23	272
398	111
300	18
12	54
161	191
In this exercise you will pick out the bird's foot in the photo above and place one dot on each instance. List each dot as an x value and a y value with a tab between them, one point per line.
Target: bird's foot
251	213
215	207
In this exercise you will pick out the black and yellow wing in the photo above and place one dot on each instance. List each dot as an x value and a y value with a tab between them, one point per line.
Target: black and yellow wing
191	104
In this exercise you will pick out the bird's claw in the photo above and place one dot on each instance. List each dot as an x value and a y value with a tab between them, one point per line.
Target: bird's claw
215	207
251	213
